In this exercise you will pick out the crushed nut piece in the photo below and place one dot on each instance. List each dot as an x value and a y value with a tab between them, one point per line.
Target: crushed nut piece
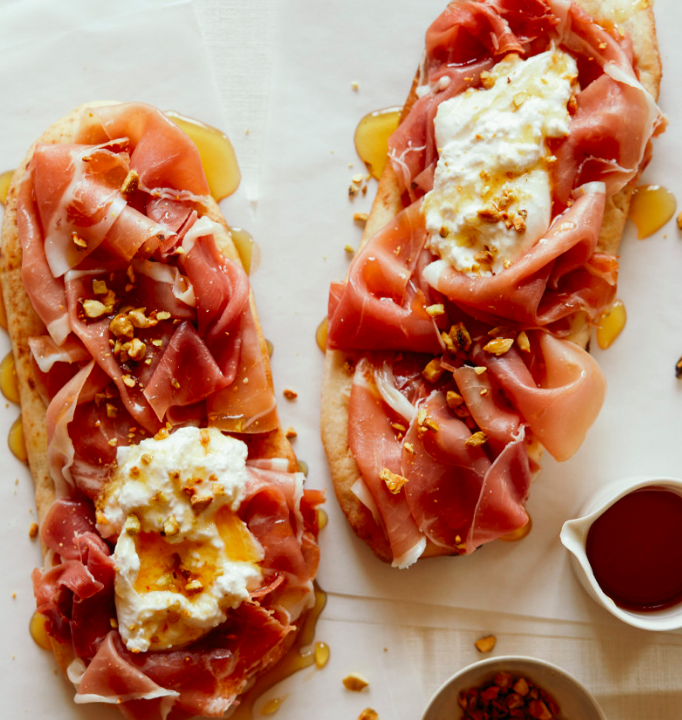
460	337
290	433
114	623
33	531
131	183
146	459
349	249
399	427
433	370
121	326
360	217
199	503
368	714
170	527
519	224
431	424
194	586
139	320
477	439
480	369
129	381
112	410
290	394
485	644
443	232
355	682
175	383
522	341
113	442
453	399
498	346
78	241
94	308
409	447
435	310
487	80
137	349
394	482
163	315
132	524
99	287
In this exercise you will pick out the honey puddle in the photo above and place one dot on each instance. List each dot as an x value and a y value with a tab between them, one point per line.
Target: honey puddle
249	252
519	533
16	441
651	208
296	659
5	180
371	138
321	335
216	152
38	631
611	324
8	378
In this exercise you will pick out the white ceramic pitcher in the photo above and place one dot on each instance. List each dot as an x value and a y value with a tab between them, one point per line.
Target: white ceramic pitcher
574	538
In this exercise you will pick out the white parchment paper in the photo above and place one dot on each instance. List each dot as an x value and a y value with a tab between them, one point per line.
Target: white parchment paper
305	210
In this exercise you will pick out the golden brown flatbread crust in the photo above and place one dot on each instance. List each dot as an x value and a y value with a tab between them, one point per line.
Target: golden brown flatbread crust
23	323
638	20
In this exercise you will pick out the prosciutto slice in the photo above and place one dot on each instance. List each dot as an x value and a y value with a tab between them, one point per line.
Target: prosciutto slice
380	306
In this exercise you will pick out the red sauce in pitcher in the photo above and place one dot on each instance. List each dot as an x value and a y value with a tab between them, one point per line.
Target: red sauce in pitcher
635	550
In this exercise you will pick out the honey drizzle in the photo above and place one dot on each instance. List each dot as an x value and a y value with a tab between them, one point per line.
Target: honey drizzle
321	334
519	533
217	155
321	654
272	706
611	324
9	385
5	181
651	208
296	659
371	138
16	441
3	313
37	628
249	252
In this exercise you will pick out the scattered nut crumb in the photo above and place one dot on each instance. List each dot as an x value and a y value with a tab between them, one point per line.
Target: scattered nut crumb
33	531
394	483
349	249
132	524
170	526
485	644
355	85
523	342
476	440
435	310
368	714
679	220
290	433
355	682
499	346
131	183
360	217
290	394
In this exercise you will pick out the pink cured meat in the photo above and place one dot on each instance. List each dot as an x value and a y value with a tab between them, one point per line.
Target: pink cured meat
379	306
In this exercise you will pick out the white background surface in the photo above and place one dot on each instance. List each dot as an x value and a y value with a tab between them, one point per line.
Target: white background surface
283	73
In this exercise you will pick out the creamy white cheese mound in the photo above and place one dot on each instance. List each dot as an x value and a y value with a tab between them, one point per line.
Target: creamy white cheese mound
183	557
491	197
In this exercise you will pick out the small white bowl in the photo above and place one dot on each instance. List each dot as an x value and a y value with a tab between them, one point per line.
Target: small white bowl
573	699
574	537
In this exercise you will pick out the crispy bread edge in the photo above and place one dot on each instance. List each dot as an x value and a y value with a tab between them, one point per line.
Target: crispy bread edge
23	323
337	380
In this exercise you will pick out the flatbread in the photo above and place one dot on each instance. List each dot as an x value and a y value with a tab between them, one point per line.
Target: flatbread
638	20
24	323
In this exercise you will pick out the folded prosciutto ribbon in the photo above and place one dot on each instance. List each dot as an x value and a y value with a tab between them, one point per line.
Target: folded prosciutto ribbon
429	405
109	269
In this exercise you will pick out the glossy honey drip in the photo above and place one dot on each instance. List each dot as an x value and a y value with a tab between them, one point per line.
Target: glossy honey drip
3	313
216	152
5	180
519	533
272	706
371	138
322	518
16	441
8	378
249	252
321	654
296	659
651	208
611	324
38	630
321	334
